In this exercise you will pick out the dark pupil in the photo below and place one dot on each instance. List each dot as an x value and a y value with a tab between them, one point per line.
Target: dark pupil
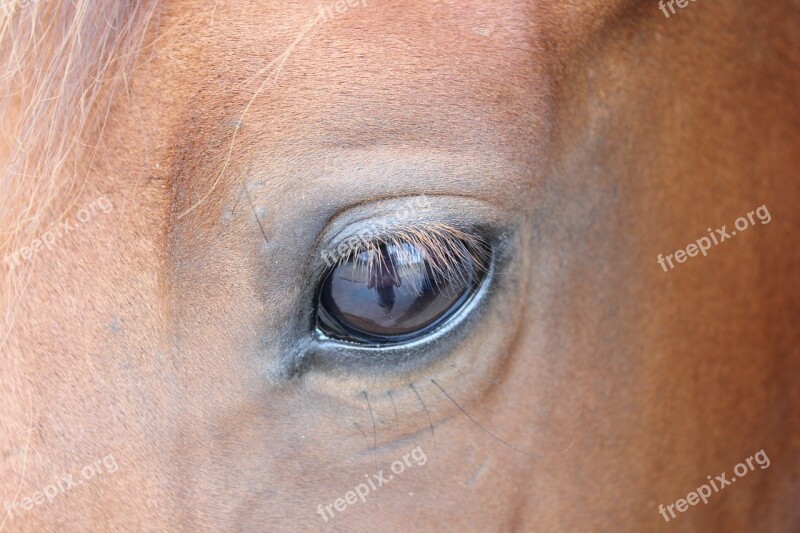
392	294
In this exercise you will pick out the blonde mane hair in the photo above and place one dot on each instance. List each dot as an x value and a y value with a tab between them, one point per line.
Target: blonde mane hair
64	62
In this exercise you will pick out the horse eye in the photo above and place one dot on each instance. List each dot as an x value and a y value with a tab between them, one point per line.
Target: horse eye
396	293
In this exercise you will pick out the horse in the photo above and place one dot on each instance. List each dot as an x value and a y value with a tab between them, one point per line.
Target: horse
173	171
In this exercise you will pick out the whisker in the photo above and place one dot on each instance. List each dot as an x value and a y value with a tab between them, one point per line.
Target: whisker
396	420
374	431
252	207
435	447
366	439
478	424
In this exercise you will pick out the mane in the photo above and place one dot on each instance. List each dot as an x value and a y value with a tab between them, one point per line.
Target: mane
63	63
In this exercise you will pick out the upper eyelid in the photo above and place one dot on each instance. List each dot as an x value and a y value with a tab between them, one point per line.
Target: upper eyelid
448	208
424	235
463	211
327	239
386	222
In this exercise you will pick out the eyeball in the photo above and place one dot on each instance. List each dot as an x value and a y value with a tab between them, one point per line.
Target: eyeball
398	292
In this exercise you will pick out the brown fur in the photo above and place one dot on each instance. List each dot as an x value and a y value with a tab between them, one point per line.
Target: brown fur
239	136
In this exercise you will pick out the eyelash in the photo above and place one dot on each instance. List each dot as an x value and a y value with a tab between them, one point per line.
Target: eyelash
444	247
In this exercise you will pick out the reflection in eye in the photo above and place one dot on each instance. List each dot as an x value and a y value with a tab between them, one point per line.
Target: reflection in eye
400	289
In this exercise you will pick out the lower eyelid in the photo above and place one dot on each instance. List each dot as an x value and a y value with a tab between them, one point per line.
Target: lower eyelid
405	407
